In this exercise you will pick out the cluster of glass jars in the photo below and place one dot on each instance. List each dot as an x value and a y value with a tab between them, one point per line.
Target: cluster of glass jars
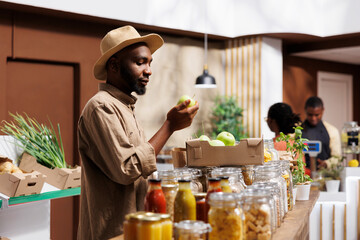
350	137
221	203
148	226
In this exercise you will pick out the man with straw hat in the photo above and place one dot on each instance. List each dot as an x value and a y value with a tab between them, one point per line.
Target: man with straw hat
116	157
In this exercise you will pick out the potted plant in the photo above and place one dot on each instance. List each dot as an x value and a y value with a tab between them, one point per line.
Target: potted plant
331	175
227	116
295	145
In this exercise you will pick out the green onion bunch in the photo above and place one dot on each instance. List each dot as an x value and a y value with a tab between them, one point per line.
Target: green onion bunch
37	140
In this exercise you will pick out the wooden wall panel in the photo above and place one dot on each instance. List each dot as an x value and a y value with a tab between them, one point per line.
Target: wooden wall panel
47	91
5	51
300	81
55	39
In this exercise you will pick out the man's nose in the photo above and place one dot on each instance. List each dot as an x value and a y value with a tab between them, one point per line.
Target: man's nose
148	70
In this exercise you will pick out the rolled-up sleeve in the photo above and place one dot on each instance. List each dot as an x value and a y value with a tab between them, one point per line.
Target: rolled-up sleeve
116	144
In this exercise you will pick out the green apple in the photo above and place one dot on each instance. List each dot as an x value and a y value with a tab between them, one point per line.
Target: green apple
204	138
184	98
216	143
227	138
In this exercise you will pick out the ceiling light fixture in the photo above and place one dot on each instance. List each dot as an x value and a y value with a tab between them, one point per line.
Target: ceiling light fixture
205	80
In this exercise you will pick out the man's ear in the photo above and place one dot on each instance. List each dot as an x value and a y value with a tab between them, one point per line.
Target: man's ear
113	65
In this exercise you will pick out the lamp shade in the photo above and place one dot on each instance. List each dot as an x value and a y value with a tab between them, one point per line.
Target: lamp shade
205	80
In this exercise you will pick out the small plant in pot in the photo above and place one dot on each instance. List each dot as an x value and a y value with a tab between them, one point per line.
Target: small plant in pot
331	174
295	145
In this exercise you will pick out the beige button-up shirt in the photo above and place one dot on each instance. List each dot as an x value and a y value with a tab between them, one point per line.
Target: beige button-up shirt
115	160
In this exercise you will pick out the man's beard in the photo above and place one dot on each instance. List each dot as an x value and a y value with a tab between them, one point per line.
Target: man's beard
132	81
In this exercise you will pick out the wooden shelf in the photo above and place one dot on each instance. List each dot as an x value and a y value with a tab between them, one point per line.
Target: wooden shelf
296	222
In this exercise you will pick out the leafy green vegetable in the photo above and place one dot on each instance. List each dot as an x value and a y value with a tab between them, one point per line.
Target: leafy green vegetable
37	139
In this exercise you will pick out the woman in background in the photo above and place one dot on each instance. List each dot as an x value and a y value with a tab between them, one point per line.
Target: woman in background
281	118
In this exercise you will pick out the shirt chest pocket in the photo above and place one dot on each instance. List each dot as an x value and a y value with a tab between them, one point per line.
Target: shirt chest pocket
134	137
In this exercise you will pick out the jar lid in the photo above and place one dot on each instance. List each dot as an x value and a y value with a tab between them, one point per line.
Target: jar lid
264	184
257	192
214	179
221	197
166	173
193	226
271	189
165	216
154	180
184	180
273	162
266	168
151	218
225	171
200	195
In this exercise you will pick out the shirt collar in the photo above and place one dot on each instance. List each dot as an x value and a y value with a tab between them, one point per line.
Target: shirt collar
128	100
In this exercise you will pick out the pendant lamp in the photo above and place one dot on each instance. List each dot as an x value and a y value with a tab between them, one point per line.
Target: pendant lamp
205	80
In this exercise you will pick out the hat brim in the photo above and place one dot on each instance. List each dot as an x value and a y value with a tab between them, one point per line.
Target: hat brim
153	41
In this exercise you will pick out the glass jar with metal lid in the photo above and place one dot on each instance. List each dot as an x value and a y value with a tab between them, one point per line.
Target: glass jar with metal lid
272	173
166	227
192	174
269	147
257	210
149	227
191	230
185	204
225	218
169	185
287	175
236	180
350	137
274	192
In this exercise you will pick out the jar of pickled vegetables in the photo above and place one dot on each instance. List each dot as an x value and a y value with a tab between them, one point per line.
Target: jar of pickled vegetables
257	210
166	227
155	199
170	187
191	230
149	227
287	175
275	193
248	174
185	204
272	173
236	180
225	218
268	188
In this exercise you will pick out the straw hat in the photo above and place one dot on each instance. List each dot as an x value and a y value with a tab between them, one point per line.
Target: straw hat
119	38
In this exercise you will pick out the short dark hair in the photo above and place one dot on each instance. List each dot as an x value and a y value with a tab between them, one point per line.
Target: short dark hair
314	102
284	117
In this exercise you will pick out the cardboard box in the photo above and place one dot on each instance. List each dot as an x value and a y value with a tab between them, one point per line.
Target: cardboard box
20	184
62	178
179	157
248	151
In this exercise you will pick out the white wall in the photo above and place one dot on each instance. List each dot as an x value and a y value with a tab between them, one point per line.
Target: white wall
231	18
271	79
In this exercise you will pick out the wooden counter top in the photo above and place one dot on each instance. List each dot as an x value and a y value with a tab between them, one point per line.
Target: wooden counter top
296	222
